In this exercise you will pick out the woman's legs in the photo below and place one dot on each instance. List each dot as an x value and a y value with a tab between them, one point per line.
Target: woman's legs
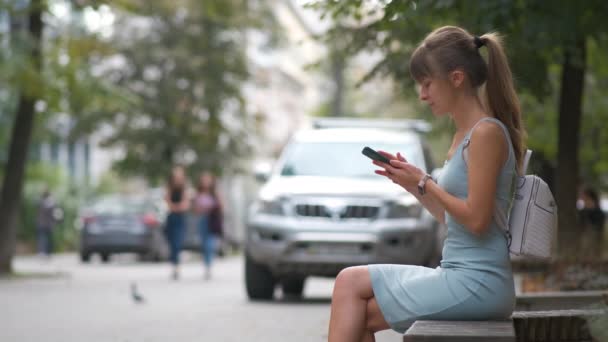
202	235
355	315
171	237
49	242
207	245
375	321
45	240
368	336
175	235
41	234
209	248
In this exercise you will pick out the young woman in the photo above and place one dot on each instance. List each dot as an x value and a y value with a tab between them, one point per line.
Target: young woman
474	281
178	205
208	207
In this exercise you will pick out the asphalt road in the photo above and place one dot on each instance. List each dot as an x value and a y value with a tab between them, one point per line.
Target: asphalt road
64	300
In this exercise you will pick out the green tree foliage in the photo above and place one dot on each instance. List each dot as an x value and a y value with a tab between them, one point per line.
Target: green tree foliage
43	71
553	47
185	63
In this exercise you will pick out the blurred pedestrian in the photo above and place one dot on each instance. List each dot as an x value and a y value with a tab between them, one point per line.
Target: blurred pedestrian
209	209
45	222
591	219
178	205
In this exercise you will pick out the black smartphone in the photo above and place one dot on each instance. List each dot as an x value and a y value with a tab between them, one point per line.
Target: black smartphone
375	155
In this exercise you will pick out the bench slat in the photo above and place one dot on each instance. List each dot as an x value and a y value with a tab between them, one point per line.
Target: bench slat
558	313
537	301
555	325
460	331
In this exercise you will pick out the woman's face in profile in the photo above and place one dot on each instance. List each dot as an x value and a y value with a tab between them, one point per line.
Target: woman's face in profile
435	93
206	180
178	176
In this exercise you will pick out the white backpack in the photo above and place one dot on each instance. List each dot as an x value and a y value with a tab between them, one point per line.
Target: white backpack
531	221
532	218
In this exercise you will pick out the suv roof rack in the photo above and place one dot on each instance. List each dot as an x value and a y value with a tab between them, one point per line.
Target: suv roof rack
395	124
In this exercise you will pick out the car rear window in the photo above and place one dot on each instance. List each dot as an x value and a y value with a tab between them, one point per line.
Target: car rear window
118	206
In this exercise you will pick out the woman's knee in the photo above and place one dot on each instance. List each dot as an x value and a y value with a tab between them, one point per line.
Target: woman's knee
356	279
348	276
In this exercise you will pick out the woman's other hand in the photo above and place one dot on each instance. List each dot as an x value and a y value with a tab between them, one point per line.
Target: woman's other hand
400	171
384	165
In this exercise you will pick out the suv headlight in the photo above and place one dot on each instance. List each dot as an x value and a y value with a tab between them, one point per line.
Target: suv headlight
271	207
403	210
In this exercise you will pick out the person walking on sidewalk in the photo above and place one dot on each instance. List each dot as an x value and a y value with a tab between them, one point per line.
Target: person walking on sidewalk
178	204
591	220
209	208
45	223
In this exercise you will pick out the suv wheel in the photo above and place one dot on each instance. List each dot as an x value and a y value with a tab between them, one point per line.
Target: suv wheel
85	256
258	280
293	286
105	257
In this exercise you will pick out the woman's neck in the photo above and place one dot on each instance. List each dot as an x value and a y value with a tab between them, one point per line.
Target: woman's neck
467	111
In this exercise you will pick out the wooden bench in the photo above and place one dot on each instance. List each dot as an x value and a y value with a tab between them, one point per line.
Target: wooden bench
541	316
550	325
556	325
543	301
461	331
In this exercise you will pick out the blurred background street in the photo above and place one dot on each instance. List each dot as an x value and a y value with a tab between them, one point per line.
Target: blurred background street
131	130
63	300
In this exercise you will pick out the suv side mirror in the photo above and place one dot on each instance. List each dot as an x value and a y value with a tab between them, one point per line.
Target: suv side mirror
262	171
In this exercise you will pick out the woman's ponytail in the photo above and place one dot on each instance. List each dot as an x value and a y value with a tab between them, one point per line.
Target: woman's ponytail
449	48
500	96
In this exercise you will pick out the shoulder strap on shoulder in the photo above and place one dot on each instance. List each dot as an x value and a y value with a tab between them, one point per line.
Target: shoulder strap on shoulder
500	216
526	160
467	140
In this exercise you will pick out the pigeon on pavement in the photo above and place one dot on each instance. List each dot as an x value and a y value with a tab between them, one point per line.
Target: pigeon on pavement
135	295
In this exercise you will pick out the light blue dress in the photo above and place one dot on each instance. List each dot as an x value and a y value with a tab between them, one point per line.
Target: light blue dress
474	281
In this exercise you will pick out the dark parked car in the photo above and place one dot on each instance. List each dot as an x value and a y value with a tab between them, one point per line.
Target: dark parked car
122	224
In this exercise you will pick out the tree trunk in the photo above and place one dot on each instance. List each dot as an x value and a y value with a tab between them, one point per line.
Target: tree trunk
337	59
10	197
337	69
570	113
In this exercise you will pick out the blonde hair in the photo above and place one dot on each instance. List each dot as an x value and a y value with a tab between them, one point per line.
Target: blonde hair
449	48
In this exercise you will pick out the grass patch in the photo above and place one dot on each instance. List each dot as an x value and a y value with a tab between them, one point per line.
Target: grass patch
20	275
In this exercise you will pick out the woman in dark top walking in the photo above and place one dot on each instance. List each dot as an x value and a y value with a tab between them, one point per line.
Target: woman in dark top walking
178	205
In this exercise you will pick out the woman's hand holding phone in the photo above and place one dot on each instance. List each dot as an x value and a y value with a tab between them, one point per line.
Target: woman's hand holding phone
400	171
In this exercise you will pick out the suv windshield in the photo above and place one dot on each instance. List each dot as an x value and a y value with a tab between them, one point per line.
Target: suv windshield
341	159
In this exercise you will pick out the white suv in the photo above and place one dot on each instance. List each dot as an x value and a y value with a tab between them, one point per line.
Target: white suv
323	208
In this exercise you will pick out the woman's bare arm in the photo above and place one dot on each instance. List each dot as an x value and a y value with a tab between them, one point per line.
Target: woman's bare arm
487	153
170	204
177	207
430	203
184	205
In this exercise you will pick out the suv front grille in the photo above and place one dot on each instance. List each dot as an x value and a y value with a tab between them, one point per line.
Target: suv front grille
312	210
360	211
347	212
